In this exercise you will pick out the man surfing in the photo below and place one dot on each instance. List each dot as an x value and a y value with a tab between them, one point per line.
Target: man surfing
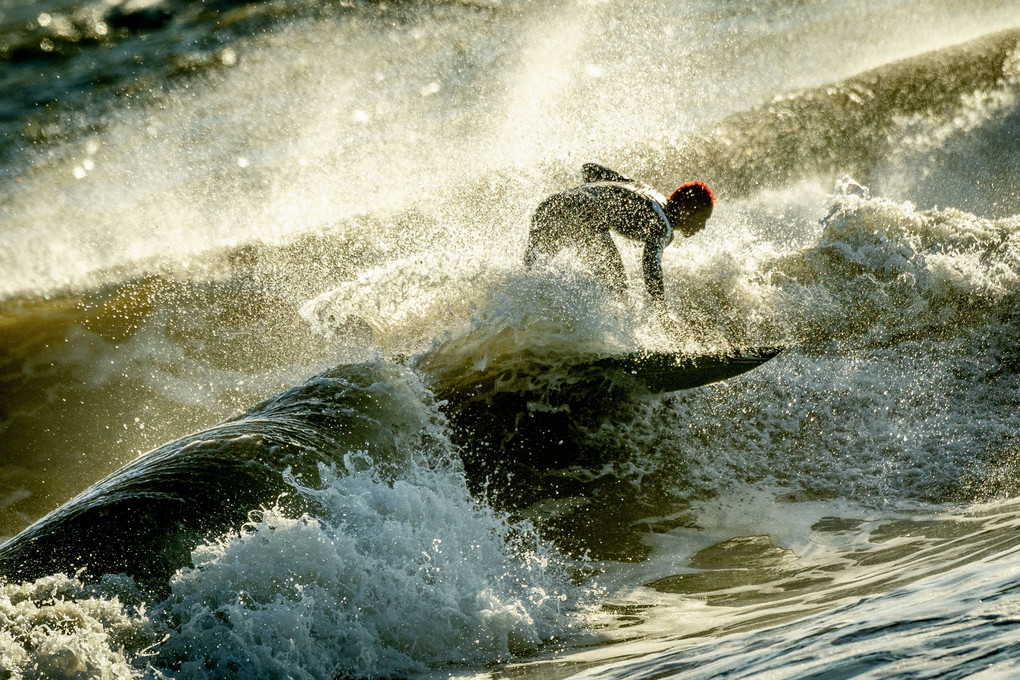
608	201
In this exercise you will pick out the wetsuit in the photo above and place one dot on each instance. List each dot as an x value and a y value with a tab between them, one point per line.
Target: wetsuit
584	216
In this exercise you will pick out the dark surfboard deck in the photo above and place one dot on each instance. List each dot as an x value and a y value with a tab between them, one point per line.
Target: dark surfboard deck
670	371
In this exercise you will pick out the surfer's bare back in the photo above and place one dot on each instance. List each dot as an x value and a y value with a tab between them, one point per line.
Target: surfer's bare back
608	201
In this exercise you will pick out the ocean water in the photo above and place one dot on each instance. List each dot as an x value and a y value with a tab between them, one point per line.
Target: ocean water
214	213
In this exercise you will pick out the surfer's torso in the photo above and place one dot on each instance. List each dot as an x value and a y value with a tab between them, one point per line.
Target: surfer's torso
628	208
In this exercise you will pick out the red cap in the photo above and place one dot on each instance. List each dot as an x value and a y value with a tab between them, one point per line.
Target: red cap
693	197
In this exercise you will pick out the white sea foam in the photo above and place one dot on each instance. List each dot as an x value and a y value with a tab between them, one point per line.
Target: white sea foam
57	628
392	578
457	309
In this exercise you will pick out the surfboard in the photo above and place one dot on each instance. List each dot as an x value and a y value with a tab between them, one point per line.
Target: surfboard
570	379
670	371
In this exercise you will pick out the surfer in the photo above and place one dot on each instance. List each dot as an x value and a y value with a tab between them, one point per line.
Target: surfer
608	201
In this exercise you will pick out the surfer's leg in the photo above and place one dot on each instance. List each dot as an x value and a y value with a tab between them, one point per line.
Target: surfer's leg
569	219
546	235
600	254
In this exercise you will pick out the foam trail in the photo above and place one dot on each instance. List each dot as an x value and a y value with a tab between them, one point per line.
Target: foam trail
390	579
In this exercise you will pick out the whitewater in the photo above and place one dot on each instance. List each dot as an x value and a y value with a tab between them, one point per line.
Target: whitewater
291	233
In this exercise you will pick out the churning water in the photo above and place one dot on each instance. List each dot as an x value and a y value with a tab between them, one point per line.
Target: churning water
304	221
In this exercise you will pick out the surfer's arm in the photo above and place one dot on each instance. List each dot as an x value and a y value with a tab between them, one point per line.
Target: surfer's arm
651	269
593	172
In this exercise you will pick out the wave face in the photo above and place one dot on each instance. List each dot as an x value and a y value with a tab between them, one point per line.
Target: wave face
145	519
253	253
